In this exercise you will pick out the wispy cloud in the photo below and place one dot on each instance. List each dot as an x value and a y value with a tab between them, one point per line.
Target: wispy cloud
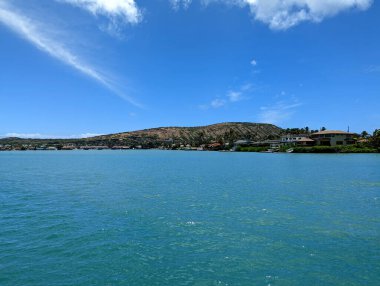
240	93
372	69
278	113
124	10
47	136
281	15
254	62
232	96
177	4
117	12
217	103
39	35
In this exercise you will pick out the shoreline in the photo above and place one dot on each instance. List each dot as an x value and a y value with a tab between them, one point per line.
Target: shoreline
184	150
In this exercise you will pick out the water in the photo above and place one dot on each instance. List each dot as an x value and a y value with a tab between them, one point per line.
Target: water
188	218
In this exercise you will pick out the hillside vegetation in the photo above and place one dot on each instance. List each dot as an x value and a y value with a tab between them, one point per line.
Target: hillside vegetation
167	136
196	136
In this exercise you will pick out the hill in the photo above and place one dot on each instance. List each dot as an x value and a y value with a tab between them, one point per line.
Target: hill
222	132
165	136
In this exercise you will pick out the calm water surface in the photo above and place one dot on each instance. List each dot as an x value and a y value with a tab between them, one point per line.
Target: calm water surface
188	218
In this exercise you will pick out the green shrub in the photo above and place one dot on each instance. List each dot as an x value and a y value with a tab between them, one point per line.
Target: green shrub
251	149
335	149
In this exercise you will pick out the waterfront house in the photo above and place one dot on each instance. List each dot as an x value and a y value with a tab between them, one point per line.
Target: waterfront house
304	141
333	138
214	146
297	139
121	147
94	147
243	143
273	144
68	147
292	138
51	148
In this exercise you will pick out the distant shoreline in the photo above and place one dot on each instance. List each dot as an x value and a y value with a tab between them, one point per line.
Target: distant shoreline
228	136
373	151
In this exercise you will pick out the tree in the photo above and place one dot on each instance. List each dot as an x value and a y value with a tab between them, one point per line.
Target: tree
307	130
323	128
375	140
364	134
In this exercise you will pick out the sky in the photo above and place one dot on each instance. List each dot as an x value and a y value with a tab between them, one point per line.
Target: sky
77	68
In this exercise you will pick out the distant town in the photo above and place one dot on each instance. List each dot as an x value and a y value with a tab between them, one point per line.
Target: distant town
236	136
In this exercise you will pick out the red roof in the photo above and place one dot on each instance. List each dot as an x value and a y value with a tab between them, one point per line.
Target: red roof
214	145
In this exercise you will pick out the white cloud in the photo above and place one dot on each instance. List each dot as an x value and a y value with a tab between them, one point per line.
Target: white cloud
47	136
283	14
234	96
278	113
240	93
217	103
86	135
41	37
177	4
254	63
125	10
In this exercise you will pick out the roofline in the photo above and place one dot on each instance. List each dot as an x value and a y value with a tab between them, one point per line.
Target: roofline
339	132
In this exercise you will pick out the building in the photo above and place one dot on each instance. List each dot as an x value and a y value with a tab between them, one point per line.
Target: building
297	139
333	138
273	144
304	141
243	143
214	146
292	138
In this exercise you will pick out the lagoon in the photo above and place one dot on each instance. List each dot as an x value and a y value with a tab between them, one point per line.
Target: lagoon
189	218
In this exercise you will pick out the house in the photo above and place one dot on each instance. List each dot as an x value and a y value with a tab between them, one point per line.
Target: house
292	138
120	147
214	146
267	143
297	139
243	143
333	138
304	141
68	147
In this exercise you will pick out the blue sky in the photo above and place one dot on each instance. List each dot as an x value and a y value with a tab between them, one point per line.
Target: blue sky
74	68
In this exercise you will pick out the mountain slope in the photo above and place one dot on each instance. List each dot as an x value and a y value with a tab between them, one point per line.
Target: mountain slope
195	136
164	136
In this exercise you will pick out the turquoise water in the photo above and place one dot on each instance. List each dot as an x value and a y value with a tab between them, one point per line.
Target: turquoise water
188	218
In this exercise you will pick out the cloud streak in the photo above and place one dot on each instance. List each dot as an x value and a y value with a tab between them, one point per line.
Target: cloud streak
283	14
372	69
125	10
39	36
278	113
